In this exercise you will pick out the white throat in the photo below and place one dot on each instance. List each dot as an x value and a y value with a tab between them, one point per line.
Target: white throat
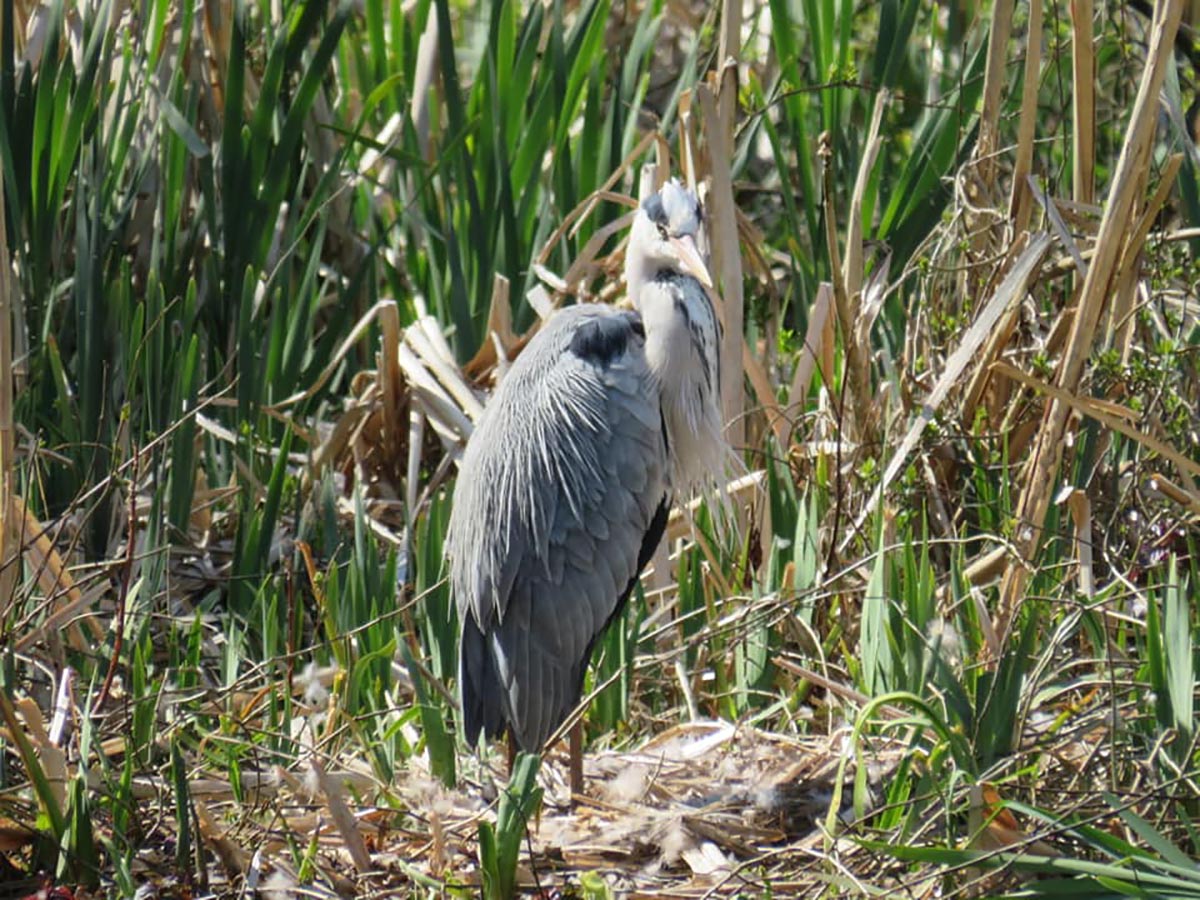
682	335
682	347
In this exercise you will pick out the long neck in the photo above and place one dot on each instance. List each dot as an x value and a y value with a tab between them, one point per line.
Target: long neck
682	349
640	269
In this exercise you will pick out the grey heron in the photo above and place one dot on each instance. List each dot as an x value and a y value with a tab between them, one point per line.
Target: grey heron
562	496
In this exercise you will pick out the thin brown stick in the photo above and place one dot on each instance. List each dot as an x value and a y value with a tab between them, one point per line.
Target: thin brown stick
575	758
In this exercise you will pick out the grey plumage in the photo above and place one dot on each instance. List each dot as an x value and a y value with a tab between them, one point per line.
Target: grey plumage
564	488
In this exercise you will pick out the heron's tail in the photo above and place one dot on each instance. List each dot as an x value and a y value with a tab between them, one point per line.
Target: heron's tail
479	686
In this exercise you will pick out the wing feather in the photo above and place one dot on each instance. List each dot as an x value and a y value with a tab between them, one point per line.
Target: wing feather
555	495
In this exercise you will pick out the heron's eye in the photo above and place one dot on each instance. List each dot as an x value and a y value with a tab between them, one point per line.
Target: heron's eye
662	231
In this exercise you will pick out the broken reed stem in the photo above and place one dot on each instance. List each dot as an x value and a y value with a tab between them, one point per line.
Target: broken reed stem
1112	242
1083	103
853	266
687	142
764	393
424	77
391	381
858	373
727	260
996	342
814	351
994	79
726	83
841	298
731	37
1021	201
1119	326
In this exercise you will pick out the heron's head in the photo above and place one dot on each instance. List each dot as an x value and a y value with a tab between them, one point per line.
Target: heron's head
667	280
664	237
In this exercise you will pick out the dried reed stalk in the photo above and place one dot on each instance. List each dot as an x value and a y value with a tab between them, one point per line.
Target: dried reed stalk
1083	102
993	87
343	818
1112	416
765	394
728	52
499	338
1021	201
1172	491
720	121
858	354
1007	294
1111	244
1120	322
424	77
852	271
391	381
814	350
727	259
1081	517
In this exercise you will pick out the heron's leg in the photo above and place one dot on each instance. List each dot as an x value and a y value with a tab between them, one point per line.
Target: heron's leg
575	757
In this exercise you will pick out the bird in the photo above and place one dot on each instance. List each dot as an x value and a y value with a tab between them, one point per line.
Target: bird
606	418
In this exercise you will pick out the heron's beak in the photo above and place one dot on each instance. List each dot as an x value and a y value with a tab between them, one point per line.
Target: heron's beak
690	258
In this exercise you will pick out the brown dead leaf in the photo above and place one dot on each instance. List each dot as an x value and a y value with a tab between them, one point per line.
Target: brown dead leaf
994	827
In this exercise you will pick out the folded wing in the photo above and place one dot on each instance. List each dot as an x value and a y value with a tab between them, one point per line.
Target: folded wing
561	500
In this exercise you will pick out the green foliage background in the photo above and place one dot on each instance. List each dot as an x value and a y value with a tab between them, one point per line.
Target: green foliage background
202	202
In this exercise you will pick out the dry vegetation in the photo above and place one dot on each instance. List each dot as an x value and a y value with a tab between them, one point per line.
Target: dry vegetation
260	266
